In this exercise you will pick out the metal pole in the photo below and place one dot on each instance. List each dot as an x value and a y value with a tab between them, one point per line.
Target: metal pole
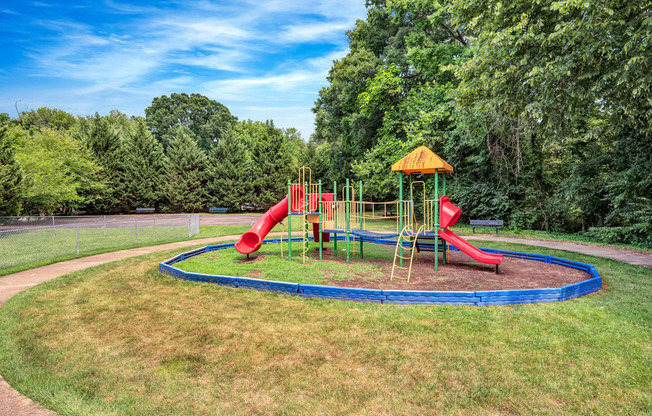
443	242
154	227
189	226
400	214
436	220
289	220
361	216
104	224
306	210
136	228
347	209
77	237
443	177
335	217
53	232
321	237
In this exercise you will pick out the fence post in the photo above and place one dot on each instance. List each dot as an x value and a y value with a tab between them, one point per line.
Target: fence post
189	227
136	230
53	233
154	227
104	224
77	237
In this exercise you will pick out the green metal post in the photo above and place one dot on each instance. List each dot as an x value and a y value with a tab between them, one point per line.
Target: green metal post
436	220
361	214
321	237
443	242
335	217
347	208
400	214
289	220
306	209
443	177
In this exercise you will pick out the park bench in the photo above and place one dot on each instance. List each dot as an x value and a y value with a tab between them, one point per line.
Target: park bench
217	210
495	224
145	210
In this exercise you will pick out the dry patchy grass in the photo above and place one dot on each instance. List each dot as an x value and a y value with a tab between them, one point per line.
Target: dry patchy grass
125	339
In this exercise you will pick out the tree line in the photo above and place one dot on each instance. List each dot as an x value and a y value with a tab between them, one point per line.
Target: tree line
543	108
188	154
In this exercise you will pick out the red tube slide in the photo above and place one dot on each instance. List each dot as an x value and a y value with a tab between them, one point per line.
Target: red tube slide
253	239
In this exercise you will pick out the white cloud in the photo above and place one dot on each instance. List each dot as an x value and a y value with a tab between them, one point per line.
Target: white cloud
312	32
154	51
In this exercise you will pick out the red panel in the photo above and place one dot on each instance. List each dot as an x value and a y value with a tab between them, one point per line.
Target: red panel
448	213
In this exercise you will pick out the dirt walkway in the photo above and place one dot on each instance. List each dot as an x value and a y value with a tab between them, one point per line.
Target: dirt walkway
626	256
14	404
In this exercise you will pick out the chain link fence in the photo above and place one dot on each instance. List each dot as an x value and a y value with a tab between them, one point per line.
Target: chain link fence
28	239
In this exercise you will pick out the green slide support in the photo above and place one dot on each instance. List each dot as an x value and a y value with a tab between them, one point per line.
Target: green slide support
361	214
321	237
335	217
436	220
348	229
289	220
400	213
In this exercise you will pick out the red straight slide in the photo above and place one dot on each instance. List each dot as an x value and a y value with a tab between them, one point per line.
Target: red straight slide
448	216
469	249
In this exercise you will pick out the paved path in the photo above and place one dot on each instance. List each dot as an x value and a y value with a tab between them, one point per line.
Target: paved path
228	219
13	403
626	256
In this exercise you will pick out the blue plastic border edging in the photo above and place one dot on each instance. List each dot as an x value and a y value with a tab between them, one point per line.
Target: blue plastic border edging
412	297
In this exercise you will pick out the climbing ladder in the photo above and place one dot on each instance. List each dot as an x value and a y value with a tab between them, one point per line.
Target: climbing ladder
410	236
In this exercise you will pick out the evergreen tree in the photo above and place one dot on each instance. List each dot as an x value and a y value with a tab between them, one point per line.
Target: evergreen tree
11	178
185	174
272	157
233	173
106	145
143	168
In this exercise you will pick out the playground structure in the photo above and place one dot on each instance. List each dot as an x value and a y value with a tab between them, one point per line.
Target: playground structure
418	224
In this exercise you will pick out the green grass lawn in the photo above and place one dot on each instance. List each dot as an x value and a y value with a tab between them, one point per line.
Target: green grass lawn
24	251
123	338
269	265
39	248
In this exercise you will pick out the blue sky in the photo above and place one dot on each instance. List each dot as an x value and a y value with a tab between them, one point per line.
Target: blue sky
263	59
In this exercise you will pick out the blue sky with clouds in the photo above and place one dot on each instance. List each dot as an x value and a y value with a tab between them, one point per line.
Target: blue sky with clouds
263	59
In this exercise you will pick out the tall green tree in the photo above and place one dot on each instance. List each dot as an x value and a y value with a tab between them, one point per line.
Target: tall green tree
206	119
143	169
60	172
271	153
47	118
233	173
549	80
106	144
11	176
185	174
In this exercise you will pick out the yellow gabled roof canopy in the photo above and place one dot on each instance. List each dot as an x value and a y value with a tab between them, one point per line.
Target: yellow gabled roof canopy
421	161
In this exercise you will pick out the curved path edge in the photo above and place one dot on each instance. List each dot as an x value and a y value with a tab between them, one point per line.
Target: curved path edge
15	404
12	403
